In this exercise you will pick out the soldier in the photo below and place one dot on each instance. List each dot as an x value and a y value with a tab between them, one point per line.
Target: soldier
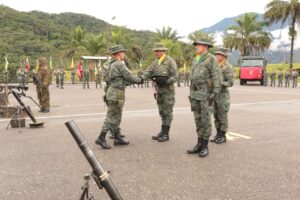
42	88
287	78
163	73
86	76
61	77
73	76
295	75
222	101
280	78
21	77
56	73
99	78
272	77
118	77
187	79
179	79
205	85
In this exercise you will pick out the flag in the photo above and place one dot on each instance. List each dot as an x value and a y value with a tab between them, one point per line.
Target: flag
72	63
6	63
37	65
50	62
27	65
79	70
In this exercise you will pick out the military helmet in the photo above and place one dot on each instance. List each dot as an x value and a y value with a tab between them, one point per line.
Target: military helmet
204	41
116	48
159	47
222	51
42	61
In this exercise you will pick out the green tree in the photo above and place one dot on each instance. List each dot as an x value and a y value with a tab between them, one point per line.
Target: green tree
247	36
278	10
167	33
94	43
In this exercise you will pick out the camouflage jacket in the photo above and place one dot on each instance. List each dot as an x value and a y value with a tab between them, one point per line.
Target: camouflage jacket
280	75
44	75
167	68
205	78
227	76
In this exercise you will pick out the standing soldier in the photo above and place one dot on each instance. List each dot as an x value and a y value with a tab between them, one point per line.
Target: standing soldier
295	75
287	78
222	101
61	77
163	73
86	75
178	79
272	77
280	78
42	86
56	73
187	79
99	78
73	76
117	78
205	85
22	77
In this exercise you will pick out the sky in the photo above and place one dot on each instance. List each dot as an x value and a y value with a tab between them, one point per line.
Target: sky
184	16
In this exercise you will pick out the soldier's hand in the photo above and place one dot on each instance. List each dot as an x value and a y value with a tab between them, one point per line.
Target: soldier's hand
211	99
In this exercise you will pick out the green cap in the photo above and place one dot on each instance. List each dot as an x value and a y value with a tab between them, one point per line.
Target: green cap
222	51
204	41
159	47
116	48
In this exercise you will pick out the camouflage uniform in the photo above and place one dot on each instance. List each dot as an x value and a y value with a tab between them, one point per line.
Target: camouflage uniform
73	76
187	79
56	73
295	75
61	77
205	85
43	74
118	77
272	77
22	77
163	72
86	77
99	79
280	78
222	101
179	77
287	78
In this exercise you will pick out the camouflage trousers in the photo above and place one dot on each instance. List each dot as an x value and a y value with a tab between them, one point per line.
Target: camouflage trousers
44	96
86	82
220	110
279	82
165	102
202	118
113	116
295	82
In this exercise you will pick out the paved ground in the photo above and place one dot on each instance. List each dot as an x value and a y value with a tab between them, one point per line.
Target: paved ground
260	161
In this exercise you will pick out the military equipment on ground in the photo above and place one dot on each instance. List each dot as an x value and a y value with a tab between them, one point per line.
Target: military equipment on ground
101	177
35	124
252	68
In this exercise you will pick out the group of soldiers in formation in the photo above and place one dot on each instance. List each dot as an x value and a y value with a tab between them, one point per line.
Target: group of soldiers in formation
287	76
210	77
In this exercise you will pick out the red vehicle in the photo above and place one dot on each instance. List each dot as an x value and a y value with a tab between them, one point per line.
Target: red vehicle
252	68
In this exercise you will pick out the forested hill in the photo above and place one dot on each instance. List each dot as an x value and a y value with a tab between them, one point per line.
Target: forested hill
37	33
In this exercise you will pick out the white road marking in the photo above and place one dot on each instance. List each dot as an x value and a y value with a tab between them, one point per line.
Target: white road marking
232	136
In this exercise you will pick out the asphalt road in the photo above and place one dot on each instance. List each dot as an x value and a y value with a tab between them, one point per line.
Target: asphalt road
261	159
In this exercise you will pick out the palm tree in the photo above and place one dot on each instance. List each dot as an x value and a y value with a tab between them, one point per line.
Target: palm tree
247	36
94	43
167	33
77	36
278	10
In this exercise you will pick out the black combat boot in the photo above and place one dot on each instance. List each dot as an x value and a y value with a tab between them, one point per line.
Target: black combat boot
204	148
101	141
216	136
165	136
222	138
118	139
112	136
195	149
155	137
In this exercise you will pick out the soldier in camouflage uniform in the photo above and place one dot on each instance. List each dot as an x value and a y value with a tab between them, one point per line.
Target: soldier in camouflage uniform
272	77
118	77
179	77
222	101
21	74
187	79
73	76
86	75
205	85
42	88
56	73
99	78
162	72
287	78
280	78
295	75
61	77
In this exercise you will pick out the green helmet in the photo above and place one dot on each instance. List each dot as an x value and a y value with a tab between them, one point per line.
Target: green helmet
204	41
116	48
159	47
222	51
